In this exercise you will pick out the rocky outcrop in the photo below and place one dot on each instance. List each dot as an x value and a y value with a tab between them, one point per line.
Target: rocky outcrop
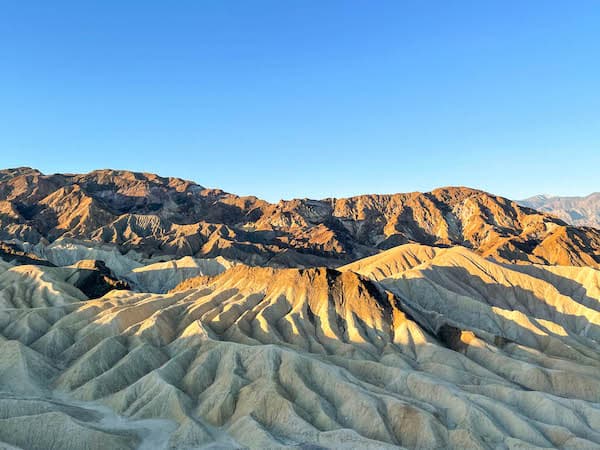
94	278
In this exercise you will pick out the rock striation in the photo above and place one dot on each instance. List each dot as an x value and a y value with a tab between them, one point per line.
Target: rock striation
142	312
416	347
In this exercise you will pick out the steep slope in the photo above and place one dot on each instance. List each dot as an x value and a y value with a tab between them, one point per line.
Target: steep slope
157	217
579	211
164	276
39	286
554	310
441	348
103	267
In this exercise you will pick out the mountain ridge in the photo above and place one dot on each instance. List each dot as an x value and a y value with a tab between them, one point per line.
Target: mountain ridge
173	217
575	210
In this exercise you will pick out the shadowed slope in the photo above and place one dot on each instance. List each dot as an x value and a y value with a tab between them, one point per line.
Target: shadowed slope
550	315
164	276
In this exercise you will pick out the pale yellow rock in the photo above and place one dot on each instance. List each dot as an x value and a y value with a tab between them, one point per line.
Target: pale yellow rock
417	347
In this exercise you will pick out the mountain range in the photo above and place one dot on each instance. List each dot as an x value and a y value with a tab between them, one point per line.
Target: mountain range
579	211
170	217
142	312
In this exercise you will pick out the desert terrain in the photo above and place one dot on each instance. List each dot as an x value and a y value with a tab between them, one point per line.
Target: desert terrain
138	311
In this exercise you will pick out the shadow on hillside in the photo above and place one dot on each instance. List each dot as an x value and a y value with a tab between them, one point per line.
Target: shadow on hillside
566	286
512	298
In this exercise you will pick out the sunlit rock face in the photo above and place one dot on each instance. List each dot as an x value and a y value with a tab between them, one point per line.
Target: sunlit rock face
146	216
416	347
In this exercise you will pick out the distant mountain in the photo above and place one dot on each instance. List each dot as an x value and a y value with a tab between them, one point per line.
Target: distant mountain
165	218
580	211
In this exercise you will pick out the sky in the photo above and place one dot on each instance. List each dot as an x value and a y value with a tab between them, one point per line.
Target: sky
311	98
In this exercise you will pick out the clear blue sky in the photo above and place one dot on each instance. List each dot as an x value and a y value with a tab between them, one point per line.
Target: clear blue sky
307	98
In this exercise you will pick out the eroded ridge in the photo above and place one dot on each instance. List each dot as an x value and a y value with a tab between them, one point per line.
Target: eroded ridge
424	348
